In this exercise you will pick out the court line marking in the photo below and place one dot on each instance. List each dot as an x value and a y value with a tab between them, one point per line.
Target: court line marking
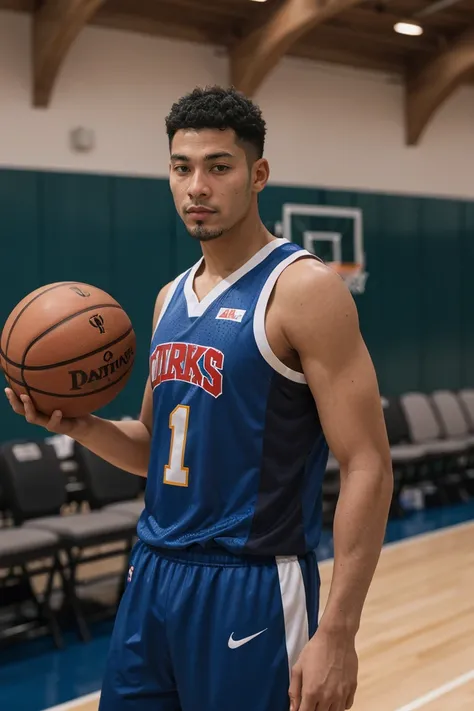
411	540
388	546
437	693
75	702
437	533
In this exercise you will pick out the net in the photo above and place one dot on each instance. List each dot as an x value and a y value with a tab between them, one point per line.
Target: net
353	274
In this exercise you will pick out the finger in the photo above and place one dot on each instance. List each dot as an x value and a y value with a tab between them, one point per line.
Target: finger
320	702
30	410
14	401
315	701
311	702
351	699
55	421
31	414
295	689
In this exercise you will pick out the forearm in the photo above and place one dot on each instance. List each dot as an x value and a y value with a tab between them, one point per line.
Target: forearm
126	444
359	528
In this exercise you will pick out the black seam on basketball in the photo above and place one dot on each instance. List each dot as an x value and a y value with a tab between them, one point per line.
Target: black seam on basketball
51	288
45	291
62	395
60	323
66	362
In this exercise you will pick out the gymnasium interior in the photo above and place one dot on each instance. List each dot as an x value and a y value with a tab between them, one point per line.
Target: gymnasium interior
369	108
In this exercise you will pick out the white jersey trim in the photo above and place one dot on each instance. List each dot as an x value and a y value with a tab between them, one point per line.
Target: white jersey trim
196	308
169	295
260	314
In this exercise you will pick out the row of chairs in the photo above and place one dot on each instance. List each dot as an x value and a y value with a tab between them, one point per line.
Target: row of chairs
41	536
432	447
432	442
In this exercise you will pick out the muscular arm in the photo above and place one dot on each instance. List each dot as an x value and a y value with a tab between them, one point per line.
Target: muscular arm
320	324
126	444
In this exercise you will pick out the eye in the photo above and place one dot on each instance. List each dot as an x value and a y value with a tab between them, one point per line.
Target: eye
221	168
181	169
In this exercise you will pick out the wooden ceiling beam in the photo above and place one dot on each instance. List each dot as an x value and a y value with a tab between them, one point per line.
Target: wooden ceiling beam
429	86
254	57
163	28
352	57
56	25
391	42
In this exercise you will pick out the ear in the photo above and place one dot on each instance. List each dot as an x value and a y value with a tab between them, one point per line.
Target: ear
260	175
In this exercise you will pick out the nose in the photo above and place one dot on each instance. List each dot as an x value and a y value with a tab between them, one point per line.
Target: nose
198	186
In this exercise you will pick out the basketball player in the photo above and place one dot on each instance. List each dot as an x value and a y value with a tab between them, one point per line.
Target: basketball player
257	368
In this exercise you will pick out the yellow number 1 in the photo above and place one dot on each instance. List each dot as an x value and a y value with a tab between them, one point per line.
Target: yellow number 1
176	473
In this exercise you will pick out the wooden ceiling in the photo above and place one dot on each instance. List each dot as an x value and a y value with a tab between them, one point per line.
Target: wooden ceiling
257	35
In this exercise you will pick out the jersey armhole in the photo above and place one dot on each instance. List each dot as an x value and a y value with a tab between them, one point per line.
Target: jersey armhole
169	295
259	330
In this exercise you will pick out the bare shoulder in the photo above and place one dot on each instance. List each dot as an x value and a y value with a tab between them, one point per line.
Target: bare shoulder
160	300
309	289
316	312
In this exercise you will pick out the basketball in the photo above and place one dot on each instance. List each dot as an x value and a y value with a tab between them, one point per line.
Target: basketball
69	346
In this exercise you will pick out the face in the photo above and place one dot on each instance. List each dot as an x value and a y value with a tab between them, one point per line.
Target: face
213	181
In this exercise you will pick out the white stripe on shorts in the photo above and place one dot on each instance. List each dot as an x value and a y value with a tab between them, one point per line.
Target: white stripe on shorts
293	598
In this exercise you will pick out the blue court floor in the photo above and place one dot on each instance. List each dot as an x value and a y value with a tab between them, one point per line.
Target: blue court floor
34	676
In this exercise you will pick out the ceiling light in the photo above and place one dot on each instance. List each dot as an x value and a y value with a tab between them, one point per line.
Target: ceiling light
260	0
408	28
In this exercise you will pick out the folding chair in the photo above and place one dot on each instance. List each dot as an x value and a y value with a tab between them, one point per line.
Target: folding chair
110	489
466	400
456	425
24	555
444	453
35	486
408	459
107	487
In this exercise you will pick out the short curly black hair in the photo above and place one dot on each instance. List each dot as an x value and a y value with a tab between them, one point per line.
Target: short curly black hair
216	107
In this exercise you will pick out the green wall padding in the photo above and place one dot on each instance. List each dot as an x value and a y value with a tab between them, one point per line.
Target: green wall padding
123	235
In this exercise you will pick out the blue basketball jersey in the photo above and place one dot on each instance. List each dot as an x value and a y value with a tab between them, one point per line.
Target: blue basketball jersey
238	454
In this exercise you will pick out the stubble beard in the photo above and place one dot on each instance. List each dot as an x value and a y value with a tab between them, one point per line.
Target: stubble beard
202	234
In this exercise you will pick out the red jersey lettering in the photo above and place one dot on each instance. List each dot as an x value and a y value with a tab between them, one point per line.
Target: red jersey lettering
158	363
175	366
189	362
191	368
213	363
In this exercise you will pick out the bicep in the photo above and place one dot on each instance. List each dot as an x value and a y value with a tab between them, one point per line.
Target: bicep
340	374
348	401
146	412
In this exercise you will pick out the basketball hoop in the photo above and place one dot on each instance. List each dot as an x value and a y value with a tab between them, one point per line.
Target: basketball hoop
353	274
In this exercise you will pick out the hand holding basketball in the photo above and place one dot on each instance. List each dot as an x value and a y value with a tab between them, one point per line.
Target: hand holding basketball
55	423
68	346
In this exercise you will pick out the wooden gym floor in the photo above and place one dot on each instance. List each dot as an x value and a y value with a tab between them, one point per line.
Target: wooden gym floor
416	643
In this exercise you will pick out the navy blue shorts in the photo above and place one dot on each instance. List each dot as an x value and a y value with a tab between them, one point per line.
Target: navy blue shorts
209	631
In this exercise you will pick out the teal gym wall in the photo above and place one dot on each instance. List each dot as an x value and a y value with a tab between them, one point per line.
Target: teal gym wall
123	235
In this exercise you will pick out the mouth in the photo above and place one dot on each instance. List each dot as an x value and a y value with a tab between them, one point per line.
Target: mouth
200	215
199	211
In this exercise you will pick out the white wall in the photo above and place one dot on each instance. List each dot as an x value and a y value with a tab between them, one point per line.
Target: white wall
328	126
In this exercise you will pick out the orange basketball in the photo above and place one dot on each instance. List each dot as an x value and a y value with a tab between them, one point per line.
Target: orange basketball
69	346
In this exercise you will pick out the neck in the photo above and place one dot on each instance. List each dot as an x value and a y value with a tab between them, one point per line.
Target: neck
224	255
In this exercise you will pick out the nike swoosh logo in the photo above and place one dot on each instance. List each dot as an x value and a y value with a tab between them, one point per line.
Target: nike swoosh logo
234	643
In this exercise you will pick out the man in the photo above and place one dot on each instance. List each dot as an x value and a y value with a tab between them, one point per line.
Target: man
257	368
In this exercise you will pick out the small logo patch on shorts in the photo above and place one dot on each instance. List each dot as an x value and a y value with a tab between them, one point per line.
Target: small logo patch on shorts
130	573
